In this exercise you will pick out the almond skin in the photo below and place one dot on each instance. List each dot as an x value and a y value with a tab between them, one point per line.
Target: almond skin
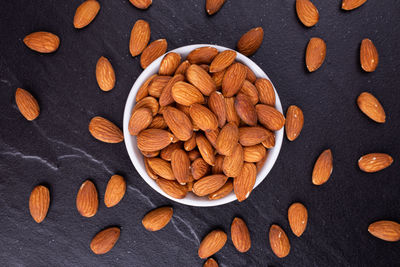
315	53
141	4
180	166
179	124
250	76
227	139
250	136
222	192
294	122
231	115
144	89
172	188
191	143
115	191
202	55
369	57
352	4
203	117
245	109
213	6
219	162
233	164
216	103
307	12
212	243
158	123
209	184
166	97
186	94
271	118
105	131
157	85
251	91
42	42
385	230
233	79
240	235
153	139
254	153
166	153
148	102
87	200
152	52
266	91
279	241
162	168
270	141
249	43
211	262
86	13
105	74
222	61
105	240
243	184
157	219
27	104
374	162
297	216
194	154
205	148
212	137
201	79
39	202
140	37
139	120
199	168
371	107
323	168
218	78
169	64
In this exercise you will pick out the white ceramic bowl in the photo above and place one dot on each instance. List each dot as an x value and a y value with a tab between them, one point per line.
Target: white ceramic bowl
137	157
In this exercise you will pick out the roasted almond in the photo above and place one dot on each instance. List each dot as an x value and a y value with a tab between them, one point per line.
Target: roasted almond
279	241
191	143
225	190
209	184
371	107
294	122
166	97
149	171
222	61
216	103
231	115
315	53
27	104
266	91
307	12
147	102
172	188
374	162
153	139
212	137
297	216
87	200
233	164
150	154
169	64
219	162
213	6
105	240
105	131
249	43
250	90
180	165
352	4
270	117
233	79
157	85
199	168
218	78
202	55
179	124
115	191
85	13
385	230
254	153
203	117
105	74
243	184
152	52
211	262
245	109
369	57
139	120
261	163
157	219
162	168
240	235
323	168
140	37
270	141
42	42
227	139
166	153
250	136
205	148
212	243
250	76
194	154
39	202
141	4
201	79
144	89
186	94
158	123
183	67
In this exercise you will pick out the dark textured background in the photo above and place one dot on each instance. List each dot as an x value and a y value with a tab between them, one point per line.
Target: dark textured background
57	149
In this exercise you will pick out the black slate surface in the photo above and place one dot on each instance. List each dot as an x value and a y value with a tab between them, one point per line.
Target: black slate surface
58	150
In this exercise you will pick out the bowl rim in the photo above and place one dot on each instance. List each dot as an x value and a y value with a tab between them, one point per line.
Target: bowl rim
137	158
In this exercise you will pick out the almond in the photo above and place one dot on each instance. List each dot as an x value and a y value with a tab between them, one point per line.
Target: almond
307	12
245	109
219	162
209	184
233	164
216	103
205	67
271	118
371	107
254	153
166	97
105	75
374	162
42	42
227	139
297	216
244	183
203	117
141	4
180	166
169	64
153	139
172	188
183	67
87	200
140	120
105	240
222	192
179	124
352	4
186	94
279	241
147	102
211	262
152	52
266	92
261	163
269	142
250	136
212	243
194	154
205	148
105	131
222	61
323	168
231	115
191	143
140	37
115	191
27	104
212	137
86	13
199	168
213	6
157	219
385	230
158	123
240	235
162	168
294	122
144	89
166	153
201	79
250	76
157	85
218	78
249	43
233	79
202	55
149	171
315	53
39	202
250	90
150	154
369	57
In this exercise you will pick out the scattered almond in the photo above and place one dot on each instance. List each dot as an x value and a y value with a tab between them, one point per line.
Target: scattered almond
297	216
141	4
307	12
213	6
105	131
315	53
27	104
152	52
212	243
294	122
323	168
42	42
105	240
39	202
385	230
240	235
115	191
352	4
369	57
87	200
279	241
140	37
86	13
371	107
374	162
211	262
249	43
157	219
105	75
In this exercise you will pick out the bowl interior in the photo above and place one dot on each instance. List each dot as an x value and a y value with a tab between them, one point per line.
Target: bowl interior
137	158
